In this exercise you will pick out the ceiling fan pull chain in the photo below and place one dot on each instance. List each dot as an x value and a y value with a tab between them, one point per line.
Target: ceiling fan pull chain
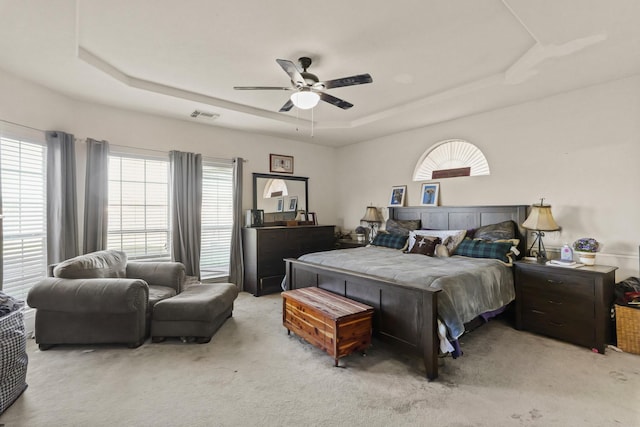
297	119
312	122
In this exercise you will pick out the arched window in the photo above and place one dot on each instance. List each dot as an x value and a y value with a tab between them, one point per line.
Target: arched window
275	188
450	158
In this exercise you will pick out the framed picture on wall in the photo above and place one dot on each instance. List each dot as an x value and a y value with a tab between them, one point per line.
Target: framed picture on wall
280	163
397	195
429	194
280	207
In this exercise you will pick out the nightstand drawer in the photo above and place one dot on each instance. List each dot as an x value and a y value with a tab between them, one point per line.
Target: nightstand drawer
561	304
579	332
569	286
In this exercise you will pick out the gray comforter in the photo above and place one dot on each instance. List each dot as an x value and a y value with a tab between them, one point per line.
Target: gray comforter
470	286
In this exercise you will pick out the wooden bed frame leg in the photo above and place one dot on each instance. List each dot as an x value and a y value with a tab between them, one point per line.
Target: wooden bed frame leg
430	336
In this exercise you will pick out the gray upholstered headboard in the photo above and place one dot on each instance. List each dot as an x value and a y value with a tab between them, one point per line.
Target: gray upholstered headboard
465	217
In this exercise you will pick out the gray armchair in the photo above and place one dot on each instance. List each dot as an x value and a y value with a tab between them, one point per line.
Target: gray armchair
100	298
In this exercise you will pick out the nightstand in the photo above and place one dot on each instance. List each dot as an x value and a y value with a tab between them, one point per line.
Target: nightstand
348	243
570	304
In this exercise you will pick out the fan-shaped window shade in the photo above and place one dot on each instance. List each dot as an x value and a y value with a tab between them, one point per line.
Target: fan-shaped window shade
450	158
275	188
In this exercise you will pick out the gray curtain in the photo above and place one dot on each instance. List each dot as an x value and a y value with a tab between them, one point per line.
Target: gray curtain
62	212
236	263
186	209
96	196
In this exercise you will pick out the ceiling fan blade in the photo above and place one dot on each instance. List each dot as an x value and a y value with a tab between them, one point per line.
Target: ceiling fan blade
261	88
287	106
291	69
360	79
335	101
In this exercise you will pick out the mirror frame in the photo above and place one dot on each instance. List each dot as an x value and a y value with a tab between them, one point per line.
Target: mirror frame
283	177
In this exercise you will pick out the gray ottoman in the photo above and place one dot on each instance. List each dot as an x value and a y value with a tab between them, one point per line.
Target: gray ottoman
197	312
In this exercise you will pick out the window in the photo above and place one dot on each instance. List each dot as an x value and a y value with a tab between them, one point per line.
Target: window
139	207
451	158
24	213
217	219
275	188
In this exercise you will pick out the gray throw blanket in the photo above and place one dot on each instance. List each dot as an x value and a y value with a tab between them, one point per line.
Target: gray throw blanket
9	304
470	286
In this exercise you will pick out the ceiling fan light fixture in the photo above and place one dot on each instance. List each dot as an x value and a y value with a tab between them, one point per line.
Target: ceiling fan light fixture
305	100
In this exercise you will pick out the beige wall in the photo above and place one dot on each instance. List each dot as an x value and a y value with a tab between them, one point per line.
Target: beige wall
579	150
32	105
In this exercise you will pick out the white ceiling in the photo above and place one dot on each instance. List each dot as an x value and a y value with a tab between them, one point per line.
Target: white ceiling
430	61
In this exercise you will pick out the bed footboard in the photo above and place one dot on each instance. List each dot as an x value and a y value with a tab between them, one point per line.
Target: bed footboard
403	315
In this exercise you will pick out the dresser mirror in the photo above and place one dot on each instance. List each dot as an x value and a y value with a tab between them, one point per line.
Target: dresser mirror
280	195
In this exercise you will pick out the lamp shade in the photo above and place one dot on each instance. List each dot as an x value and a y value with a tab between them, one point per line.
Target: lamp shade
305	99
372	215
540	218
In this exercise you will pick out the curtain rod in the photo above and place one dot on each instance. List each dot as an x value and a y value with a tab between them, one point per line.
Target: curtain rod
119	146
137	148
24	126
213	159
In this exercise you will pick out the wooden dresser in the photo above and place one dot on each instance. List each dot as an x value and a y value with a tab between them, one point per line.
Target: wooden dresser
265	249
571	304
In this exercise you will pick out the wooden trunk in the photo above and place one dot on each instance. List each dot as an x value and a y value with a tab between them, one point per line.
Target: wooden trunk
328	321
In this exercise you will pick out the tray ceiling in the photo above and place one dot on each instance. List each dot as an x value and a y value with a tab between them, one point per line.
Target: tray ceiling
430	62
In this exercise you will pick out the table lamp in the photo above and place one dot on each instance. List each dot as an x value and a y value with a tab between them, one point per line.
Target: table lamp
374	219
540	220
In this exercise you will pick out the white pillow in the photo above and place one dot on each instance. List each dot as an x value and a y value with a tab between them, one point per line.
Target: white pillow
450	238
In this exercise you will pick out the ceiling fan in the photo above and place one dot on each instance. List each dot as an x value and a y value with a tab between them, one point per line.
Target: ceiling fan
308	88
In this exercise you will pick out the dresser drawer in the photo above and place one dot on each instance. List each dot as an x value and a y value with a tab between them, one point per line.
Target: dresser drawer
271	265
271	284
275	242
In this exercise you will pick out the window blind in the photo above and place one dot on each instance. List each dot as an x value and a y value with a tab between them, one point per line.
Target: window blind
217	219
139	207
24	220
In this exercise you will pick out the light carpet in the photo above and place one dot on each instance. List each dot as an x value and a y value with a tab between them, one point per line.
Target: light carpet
253	374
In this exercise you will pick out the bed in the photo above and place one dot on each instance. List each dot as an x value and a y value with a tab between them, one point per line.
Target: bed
406	308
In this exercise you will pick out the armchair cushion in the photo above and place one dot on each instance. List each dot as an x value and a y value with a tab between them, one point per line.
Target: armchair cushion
158	293
93	265
106	295
169	274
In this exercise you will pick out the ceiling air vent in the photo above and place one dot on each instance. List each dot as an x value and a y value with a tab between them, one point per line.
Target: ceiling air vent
204	114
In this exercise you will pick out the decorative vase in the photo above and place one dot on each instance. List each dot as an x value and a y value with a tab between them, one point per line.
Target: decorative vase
587	258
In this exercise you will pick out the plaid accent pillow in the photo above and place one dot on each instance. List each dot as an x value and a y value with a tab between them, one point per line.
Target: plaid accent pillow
483	249
389	240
